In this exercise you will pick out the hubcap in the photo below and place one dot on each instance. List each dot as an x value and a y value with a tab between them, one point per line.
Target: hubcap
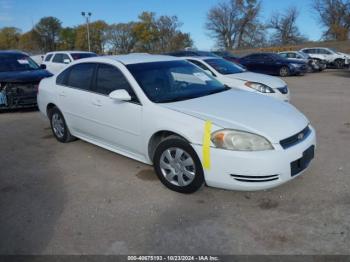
284	71
58	125
177	166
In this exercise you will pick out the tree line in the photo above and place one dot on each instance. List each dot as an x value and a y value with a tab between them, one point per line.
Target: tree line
237	23
232	23
149	34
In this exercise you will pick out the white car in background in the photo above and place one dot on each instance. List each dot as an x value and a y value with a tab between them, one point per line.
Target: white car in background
56	61
167	112
332	57
235	76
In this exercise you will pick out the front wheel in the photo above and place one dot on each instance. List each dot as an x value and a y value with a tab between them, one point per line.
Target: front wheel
178	166
59	127
284	71
339	64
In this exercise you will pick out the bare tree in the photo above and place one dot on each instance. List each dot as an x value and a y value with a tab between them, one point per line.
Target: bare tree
231	22
334	15
121	37
286	30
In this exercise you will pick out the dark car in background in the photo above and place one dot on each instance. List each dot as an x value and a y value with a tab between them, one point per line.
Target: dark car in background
19	80
227	56
191	53
273	64
314	65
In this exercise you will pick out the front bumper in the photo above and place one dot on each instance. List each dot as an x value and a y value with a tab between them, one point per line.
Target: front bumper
250	171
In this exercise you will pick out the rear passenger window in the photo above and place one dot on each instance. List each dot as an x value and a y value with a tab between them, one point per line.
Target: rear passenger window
80	75
109	79
48	57
59	58
63	78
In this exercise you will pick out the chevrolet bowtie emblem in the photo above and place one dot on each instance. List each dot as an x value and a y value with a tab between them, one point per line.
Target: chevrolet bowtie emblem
300	136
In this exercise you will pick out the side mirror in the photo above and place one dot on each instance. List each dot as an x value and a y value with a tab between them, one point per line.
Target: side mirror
66	61
120	95
43	66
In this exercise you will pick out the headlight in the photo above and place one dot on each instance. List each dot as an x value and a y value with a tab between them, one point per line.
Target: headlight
239	141
259	87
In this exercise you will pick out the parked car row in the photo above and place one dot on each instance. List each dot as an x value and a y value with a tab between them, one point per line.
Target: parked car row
284	64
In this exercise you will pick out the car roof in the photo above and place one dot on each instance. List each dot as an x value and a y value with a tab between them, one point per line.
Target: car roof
135	58
200	57
69	52
12	52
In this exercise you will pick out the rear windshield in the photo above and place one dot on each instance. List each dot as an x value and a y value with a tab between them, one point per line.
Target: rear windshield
77	56
225	67
16	62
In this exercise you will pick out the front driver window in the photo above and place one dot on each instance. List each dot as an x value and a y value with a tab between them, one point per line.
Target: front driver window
109	79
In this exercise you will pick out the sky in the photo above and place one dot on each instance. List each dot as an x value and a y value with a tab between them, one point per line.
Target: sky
192	13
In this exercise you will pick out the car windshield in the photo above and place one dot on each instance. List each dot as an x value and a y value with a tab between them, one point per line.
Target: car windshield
172	81
306	56
225	67
77	56
16	62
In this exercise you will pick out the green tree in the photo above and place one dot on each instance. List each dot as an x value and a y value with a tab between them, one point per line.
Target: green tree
156	35
9	37
98	39
67	38
121	37
48	28
30	42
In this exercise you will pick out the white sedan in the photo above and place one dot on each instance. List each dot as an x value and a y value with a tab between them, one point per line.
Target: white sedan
235	76
167	112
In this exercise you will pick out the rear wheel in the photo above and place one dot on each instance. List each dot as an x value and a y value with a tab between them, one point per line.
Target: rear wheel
59	126
284	71
178	166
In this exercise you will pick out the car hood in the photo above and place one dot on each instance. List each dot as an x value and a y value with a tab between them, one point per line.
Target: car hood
245	111
345	55
271	81
24	76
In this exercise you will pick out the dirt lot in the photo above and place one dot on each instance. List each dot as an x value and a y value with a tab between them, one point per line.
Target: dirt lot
80	199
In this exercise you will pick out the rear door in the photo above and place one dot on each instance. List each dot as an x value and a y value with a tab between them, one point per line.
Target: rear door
59	61
75	98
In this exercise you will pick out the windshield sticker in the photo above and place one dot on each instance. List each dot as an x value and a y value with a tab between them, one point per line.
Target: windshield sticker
23	61
202	77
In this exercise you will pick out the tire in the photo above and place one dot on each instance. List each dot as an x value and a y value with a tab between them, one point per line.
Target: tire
174	157
59	127
339	63
284	71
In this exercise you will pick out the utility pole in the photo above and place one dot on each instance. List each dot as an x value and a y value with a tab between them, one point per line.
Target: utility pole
87	16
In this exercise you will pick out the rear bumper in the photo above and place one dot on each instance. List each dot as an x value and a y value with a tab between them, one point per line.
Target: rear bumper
250	171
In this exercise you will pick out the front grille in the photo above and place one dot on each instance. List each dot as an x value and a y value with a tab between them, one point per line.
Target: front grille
254	178
283	90
295	139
